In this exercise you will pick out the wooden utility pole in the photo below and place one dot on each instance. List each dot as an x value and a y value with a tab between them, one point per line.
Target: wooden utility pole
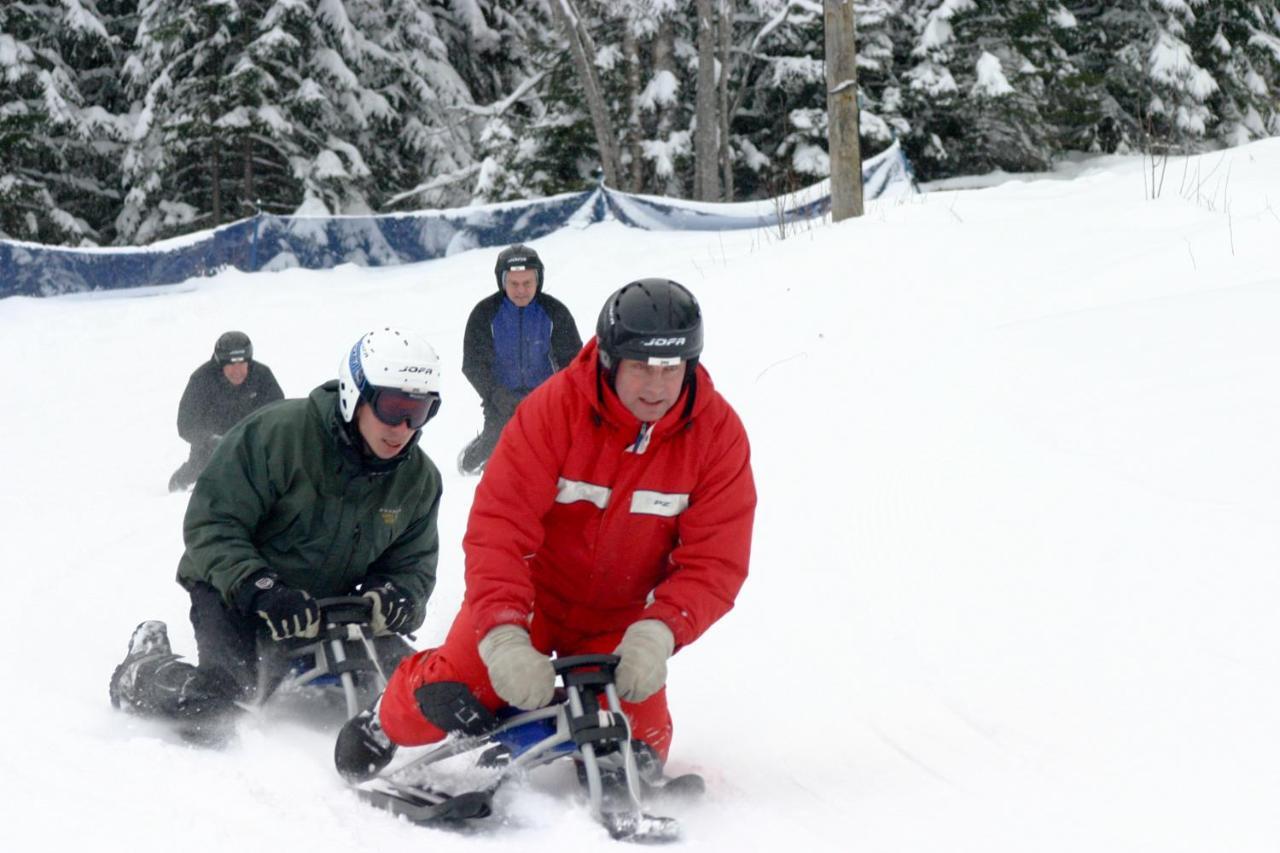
842	109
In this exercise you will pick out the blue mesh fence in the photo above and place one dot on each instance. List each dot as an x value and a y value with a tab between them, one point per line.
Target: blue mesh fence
268	242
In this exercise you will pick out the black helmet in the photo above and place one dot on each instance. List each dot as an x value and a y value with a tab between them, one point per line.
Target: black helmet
517	257
232	347
653	320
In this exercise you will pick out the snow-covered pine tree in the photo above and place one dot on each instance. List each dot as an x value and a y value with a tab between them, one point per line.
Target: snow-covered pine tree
469	60
1141	85
311	106
884	33
182	76
399	109
508	55
538	137
976	93
1238	43
56	141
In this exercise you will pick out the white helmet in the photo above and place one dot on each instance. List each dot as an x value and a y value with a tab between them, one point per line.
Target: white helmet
397	373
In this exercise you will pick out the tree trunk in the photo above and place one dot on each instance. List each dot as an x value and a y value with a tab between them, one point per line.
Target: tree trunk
842	110
706	149
215	168
570	26
726	42
250	201
664	60
631	134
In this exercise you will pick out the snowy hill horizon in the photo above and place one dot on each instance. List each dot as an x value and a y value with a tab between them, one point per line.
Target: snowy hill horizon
1013	583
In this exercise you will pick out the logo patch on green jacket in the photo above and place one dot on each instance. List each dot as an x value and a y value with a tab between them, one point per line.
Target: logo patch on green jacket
389	516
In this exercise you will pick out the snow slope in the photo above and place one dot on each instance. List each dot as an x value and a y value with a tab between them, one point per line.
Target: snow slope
1014	583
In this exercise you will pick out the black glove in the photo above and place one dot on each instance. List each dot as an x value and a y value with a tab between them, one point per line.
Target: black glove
289	613
393	609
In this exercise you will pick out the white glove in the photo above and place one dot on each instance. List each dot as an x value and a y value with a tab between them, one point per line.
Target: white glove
644	650
521	675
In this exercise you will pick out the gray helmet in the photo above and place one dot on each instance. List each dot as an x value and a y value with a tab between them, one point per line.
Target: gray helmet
654	320
232	347
517	257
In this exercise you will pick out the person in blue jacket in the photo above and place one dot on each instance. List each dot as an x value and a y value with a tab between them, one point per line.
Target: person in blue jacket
515	340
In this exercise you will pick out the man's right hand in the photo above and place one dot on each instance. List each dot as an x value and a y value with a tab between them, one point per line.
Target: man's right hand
521	675
288	613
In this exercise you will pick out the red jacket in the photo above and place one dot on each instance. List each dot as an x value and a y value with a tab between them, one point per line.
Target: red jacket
571	521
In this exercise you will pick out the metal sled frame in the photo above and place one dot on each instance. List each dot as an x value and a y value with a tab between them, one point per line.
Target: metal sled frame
577	732
346	620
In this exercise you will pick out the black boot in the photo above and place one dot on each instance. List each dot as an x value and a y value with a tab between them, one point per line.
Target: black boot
472	458
363	748
153	681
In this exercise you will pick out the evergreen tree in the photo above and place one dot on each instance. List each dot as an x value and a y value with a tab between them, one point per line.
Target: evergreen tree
129	120
182	73
1142	85
56	143
1238	43
317	109
977	91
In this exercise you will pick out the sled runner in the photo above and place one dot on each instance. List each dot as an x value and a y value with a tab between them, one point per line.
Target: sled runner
587	726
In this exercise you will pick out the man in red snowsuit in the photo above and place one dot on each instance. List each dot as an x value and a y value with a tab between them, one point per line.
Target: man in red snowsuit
614	516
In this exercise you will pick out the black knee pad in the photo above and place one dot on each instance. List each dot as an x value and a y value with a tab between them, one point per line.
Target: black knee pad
450	706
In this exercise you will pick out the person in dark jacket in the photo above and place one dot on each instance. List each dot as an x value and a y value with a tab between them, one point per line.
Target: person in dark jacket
218	395
515	340
324	496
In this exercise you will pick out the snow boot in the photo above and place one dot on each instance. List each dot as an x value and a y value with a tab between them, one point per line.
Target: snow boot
148	644
363	748
153	681
472	459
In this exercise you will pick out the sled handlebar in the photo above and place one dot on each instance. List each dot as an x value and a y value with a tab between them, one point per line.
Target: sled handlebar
586	670
345	610
563	665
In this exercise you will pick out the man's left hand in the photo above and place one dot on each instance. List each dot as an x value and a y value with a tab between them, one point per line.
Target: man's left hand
392	607
644	650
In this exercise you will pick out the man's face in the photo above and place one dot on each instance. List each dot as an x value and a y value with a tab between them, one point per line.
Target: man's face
648	391
236	372
385	441
520	286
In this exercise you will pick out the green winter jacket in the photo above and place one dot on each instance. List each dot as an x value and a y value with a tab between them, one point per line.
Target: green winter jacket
289	490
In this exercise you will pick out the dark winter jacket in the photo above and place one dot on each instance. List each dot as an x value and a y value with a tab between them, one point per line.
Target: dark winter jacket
579	521
292	489
211	405
508	351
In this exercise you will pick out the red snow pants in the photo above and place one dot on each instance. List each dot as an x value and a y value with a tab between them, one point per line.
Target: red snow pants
459	660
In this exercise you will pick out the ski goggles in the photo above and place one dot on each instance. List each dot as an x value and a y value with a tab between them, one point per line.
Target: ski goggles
394	407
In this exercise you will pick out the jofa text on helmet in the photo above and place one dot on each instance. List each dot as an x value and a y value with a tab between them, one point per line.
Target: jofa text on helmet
663	342
414	368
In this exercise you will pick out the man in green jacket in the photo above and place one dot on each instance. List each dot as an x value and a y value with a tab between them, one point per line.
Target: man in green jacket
324	496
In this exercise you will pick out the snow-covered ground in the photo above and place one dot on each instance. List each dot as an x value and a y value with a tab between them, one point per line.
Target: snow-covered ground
1016	575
